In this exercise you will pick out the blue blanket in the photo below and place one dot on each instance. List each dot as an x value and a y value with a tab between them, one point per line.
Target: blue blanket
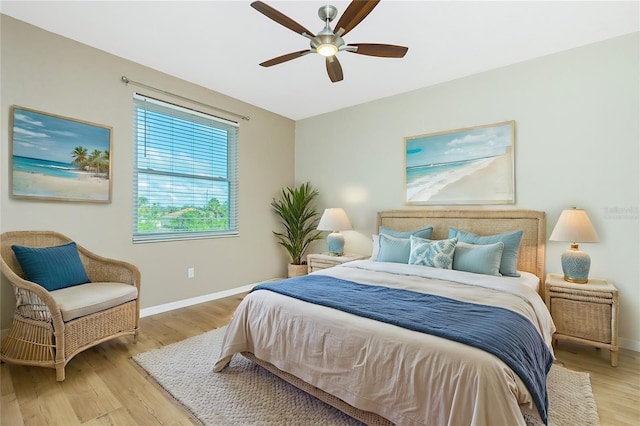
501	332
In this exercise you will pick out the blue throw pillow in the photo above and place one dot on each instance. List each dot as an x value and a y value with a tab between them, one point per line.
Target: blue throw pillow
478	258
421	233
395	250
511	240
52	267
437	253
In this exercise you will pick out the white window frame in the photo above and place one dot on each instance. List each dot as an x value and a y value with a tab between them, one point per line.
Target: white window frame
170	168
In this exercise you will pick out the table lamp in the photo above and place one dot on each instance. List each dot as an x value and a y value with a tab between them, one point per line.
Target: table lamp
574	226
335	220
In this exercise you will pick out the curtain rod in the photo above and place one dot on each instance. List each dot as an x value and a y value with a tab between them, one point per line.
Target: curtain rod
126	80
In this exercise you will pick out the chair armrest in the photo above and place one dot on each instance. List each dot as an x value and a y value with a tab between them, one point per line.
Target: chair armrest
103	269
31	298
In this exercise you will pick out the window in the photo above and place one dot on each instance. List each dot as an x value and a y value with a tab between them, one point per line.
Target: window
185	173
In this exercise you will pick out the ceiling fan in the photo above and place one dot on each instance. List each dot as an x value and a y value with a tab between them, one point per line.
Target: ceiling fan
327	42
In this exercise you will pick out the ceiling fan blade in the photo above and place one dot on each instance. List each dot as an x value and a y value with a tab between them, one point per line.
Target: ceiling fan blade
280	18
354	14
382	50
334	69
284	58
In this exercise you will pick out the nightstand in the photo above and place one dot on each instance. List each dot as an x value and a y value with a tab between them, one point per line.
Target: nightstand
317	262
584	313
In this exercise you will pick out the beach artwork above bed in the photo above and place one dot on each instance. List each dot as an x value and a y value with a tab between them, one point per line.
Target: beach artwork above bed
473	165
59	158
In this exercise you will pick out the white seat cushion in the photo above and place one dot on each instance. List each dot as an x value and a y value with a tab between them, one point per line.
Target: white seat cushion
86	299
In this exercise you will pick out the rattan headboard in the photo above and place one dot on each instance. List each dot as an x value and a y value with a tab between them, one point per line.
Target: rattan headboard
481	222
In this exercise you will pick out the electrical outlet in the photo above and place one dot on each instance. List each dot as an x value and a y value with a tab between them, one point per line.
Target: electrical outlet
191	272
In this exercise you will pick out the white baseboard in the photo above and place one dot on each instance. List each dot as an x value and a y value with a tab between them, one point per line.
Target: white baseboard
145	312
633	345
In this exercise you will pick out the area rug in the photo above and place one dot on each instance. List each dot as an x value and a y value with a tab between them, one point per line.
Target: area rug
246	394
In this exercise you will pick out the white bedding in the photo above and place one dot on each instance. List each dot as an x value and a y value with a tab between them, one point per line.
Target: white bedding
408	377
528	279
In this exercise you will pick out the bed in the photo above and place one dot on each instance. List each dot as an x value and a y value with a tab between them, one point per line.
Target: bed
382	367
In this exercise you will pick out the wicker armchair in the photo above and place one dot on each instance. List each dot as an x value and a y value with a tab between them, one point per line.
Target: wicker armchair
39	335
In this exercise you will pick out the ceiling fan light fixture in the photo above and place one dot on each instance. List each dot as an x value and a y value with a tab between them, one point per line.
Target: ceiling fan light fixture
328	43
327	49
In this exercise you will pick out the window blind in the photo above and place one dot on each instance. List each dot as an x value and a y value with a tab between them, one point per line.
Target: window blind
185	173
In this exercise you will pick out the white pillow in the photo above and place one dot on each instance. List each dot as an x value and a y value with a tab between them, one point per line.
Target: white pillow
375	249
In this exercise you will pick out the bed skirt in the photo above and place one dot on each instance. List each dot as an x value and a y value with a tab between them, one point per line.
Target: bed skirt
366	417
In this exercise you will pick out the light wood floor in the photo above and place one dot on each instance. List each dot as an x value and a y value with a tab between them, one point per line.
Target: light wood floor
105	387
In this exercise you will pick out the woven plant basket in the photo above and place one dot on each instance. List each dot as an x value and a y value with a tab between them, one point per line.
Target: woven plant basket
296	270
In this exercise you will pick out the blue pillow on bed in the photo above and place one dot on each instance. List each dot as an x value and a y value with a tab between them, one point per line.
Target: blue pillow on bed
478	258
433	253
422	232
395	250
52	267
511	240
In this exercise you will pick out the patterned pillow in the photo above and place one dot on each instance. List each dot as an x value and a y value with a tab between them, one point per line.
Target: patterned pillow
434	253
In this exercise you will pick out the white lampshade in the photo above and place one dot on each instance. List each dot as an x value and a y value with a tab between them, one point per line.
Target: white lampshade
574	226
335	220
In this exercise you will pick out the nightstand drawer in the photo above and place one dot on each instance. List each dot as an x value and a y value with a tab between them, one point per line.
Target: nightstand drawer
581	319
317	262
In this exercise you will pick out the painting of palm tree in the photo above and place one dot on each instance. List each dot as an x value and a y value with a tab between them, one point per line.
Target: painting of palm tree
60	158
79	155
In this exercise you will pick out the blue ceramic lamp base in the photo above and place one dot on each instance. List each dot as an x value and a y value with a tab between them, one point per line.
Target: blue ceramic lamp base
575	265
336	243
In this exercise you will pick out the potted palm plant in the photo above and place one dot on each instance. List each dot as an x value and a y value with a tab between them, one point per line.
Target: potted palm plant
300	219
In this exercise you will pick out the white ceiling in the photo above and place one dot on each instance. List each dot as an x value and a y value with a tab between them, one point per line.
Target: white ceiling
219	44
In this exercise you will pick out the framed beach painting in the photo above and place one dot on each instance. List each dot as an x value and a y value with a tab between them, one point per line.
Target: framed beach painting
60	158
473	165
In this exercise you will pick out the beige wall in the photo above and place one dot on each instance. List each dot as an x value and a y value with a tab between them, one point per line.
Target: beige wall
49	73
577	140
